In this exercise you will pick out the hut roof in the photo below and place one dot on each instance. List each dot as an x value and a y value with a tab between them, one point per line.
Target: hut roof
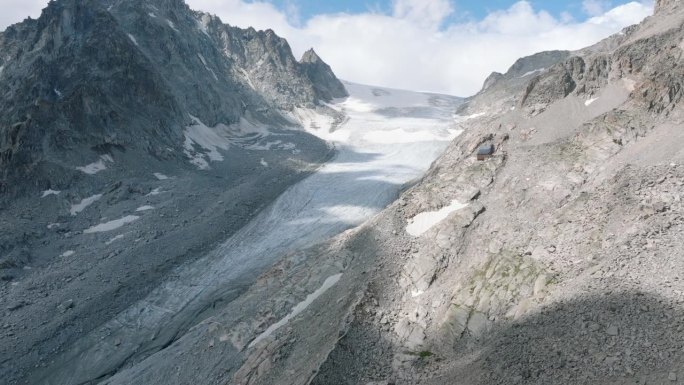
486	150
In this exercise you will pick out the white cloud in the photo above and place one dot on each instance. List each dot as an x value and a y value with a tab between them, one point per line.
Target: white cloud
407	49
595	7
292	12
257	14
426	13
411	46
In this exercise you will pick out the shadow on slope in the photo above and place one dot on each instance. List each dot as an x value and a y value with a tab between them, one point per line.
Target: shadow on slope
610	338
605	338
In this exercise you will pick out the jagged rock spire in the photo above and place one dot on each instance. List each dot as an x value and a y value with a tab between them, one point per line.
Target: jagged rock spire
310	56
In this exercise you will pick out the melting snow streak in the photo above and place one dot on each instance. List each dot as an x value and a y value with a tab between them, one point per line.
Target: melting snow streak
425	221
111	225
77	208
300	307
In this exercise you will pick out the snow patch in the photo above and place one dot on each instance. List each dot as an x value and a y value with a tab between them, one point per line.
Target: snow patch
156	191
319	124
213	73
68	253
212	139
77	208
630	84
96	167
51	226
151	14
263	162
160	176
111	225
300	307
173	26
423	222
109	242
526	74
203	24
93	168
58	93
133	39
144	208
207	67
590	101
47	193
208	139
246	75
461	119
2	68
202	59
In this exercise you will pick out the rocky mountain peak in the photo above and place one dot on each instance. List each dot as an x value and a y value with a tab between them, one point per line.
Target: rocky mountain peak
327	86
310	56
134	72
492	79
536	62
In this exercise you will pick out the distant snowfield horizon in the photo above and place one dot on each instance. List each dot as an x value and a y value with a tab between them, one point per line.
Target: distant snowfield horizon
417	46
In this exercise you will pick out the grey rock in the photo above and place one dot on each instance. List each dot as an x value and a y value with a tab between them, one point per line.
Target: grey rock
17	306
326	85
410	334
66	305
478	324
612	330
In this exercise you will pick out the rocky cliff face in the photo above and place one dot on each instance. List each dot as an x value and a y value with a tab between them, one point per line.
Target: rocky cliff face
554	261
92	76
322	77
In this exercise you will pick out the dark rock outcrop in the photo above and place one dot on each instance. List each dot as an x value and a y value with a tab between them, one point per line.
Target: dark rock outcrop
326	85
656	58
95	75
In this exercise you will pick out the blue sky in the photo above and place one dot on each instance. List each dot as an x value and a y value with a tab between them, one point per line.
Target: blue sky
464	9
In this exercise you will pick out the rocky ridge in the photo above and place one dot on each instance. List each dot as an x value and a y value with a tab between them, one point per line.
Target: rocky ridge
98	77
